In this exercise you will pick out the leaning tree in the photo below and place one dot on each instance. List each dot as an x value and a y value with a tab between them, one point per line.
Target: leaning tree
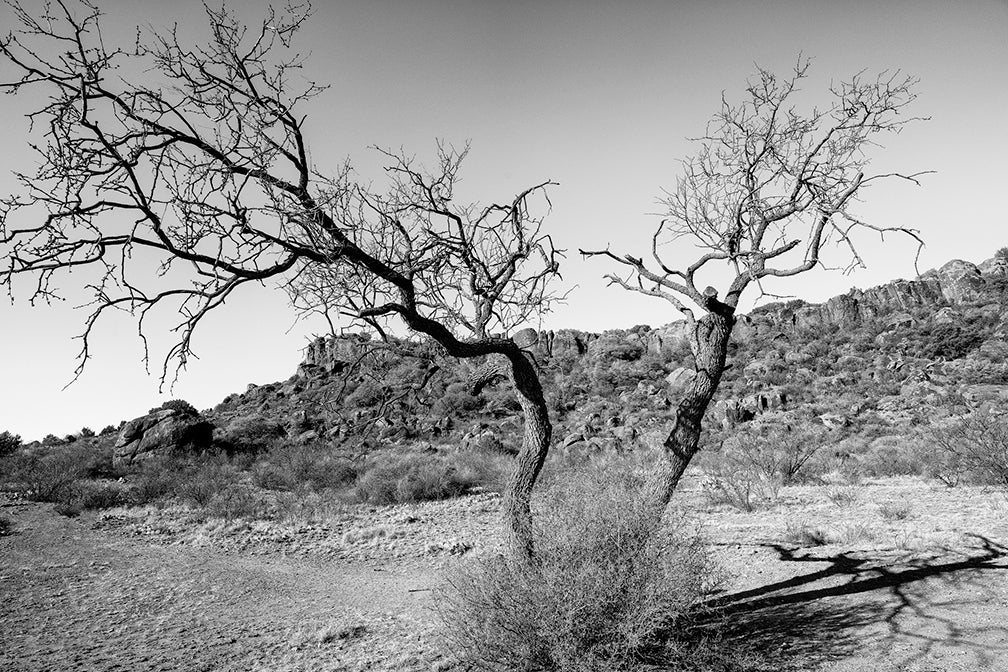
172	175
768	189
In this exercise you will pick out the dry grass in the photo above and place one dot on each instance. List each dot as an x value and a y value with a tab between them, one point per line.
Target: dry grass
805	535
894	511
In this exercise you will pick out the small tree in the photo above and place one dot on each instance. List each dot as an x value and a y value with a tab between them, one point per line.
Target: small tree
9	443
175	188
768	183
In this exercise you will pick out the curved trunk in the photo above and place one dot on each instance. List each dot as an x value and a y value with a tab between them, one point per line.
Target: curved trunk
517	503
710	349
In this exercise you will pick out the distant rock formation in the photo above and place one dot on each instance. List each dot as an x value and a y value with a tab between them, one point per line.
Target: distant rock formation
954	283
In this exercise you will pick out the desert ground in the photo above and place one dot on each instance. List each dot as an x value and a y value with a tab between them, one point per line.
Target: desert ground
890	574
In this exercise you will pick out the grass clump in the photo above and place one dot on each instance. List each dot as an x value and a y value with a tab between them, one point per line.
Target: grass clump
608	587
841	496
893	511
804	535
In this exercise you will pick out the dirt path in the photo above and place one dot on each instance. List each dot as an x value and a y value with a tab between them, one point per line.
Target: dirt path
74	598
928	593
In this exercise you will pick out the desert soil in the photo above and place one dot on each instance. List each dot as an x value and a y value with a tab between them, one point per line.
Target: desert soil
159	589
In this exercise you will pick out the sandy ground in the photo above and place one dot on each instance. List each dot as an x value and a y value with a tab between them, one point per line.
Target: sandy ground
154	590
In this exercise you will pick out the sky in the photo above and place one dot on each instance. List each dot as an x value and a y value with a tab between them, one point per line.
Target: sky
600	97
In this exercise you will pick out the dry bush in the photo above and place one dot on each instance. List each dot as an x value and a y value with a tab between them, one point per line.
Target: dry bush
739	485
43	478
608	581
391	477
804	535
309	507
154	480
237	501
312	467
752	465
95	496
9	443
972	447
204	480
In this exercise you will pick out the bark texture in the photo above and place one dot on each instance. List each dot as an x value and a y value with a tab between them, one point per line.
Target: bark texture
516	506
710	350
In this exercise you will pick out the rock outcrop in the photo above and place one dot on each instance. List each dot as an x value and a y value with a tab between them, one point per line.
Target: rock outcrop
941	289
160	433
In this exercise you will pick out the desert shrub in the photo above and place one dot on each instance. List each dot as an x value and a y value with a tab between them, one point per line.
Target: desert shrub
87	495
236	501
887	456
51	440
389	478
180	405
154	480
754	463
976	446
108	429
43	478
314	467
609	579
950	341
94	460
204	480
308	507
86	432
738	485
6	526
9	443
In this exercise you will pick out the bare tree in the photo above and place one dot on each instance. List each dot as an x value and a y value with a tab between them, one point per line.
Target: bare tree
171	175
768	189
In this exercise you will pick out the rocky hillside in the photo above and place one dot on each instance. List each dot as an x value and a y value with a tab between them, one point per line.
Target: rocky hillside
870	362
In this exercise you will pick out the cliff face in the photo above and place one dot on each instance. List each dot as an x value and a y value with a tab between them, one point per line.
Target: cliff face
954	283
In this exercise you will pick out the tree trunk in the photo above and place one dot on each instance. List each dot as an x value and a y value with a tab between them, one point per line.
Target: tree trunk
710	349
517	502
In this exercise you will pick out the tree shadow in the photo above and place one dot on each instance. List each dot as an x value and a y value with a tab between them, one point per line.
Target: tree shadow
860	602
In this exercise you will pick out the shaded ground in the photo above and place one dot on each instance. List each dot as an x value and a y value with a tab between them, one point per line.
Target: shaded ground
128	591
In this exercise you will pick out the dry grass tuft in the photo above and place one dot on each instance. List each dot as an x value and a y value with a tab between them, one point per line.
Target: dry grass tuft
805	536
894	511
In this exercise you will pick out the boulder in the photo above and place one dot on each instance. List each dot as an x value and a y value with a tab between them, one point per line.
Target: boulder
486	441
960	281
948	315
679	379
833	420
730	413
160	433
526	338
761	402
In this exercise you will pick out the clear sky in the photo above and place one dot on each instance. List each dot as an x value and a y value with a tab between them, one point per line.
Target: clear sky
597	96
